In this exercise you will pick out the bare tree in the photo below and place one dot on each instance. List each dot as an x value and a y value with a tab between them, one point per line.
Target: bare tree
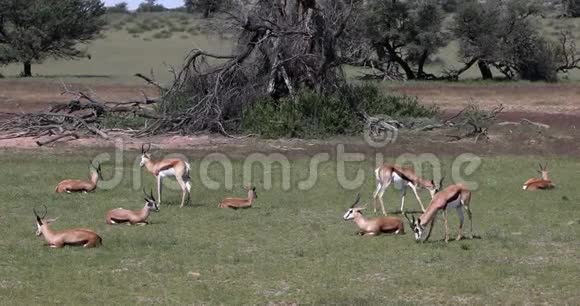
283	45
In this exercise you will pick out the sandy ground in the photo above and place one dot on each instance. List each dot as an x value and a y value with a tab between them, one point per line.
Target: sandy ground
37	95
517	97
557	105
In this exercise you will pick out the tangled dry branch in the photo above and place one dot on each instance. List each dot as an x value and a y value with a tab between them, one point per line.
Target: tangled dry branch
281	47
81	116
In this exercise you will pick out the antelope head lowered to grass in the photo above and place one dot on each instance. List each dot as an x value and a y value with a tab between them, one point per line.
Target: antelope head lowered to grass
69	186
58	239
167	167
373	226
454	196
539	183
236	203
132	217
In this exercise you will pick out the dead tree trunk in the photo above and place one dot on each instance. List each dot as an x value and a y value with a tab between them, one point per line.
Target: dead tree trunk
283	46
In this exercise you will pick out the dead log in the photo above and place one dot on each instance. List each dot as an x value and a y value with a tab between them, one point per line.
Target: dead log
41	143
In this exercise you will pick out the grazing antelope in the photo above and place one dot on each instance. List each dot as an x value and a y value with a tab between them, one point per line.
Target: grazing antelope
236	203
454	196
402	178
132	217
58	239
373	226
539	183
167	167
69	186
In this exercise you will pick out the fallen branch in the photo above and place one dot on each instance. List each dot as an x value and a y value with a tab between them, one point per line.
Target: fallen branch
41	143
525	121
150	81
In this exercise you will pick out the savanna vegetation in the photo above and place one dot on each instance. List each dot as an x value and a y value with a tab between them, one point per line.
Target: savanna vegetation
292	247
286	69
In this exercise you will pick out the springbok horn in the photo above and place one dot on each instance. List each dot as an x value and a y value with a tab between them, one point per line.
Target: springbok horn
407	216
356	201
142	148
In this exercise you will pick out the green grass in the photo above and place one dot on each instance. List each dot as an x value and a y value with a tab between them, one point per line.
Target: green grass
128	48
150	42
292	247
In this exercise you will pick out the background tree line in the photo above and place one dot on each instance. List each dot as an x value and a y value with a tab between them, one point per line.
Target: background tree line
399	39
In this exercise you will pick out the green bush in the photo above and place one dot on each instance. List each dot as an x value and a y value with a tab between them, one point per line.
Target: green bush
340	113
122	121
164	34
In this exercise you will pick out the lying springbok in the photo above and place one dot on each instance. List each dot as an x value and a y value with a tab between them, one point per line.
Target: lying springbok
133	217
236	203
402	178
167	167
373	226
454	196
69	186
58	239
539	183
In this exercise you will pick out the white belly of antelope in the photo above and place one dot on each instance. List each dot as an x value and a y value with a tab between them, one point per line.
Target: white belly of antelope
168	172
398	182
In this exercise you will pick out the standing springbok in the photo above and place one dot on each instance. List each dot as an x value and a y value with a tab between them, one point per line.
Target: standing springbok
454	196
236	203
402	178
539	183
132	217
84	186
58	239
373	226
167	167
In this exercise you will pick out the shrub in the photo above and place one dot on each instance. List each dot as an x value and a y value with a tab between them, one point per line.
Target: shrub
122	121
339	113
164	34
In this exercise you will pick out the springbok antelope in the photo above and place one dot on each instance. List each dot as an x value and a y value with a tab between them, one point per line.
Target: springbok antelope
167	167
236	203
373	226
454	196
58	239
402	178
69	186
132	217
539	183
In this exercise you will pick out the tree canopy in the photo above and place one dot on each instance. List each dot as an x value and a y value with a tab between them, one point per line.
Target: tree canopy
32	30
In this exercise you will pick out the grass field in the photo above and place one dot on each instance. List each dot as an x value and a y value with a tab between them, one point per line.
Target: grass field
292	247
151	43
